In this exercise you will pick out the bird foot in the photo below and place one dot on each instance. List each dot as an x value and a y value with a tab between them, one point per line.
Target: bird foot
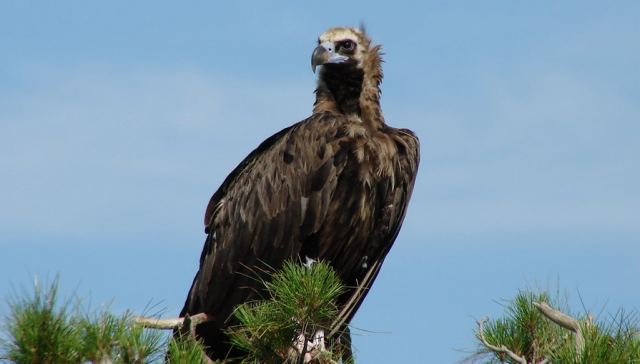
310	349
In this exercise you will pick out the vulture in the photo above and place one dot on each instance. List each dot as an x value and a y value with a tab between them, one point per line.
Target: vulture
333	187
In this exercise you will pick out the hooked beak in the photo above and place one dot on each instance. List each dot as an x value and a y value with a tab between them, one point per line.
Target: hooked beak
325	53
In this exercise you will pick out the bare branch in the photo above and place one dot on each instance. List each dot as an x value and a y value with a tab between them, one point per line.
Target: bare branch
558	317
184	325
501	348
161	324
563	320
175	323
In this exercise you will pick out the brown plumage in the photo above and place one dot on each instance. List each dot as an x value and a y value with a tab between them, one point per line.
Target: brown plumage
332	187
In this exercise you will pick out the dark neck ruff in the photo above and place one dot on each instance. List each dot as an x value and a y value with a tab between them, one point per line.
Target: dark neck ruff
342	83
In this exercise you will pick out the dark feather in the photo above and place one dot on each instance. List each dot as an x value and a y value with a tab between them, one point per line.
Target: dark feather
333	187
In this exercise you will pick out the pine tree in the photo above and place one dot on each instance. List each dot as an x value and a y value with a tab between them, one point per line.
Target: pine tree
533	332
286	327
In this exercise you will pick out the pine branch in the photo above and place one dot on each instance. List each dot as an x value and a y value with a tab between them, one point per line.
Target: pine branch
534	330
174	323
564	321
290	324
498	349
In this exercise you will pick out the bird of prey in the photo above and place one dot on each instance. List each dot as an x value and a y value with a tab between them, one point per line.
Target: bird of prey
333	187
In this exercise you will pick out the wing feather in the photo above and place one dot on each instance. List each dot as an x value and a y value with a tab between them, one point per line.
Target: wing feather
264	210
304	191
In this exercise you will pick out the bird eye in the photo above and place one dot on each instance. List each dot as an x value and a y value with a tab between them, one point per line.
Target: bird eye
347	45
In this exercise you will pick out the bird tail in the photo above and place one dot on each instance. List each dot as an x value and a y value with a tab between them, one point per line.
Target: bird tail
211	333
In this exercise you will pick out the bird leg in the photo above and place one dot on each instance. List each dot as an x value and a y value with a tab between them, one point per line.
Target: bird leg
303	348
308	262
318	340
309	350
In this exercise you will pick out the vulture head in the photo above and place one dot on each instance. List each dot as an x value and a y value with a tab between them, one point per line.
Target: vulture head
349	73
340	46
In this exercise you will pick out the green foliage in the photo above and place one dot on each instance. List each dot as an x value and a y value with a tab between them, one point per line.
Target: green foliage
185	351
524	330
306	293
616	341
529	334
301	300
107	337
41	330
136	345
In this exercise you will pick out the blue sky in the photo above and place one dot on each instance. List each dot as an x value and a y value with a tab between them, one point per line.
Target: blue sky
119	119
